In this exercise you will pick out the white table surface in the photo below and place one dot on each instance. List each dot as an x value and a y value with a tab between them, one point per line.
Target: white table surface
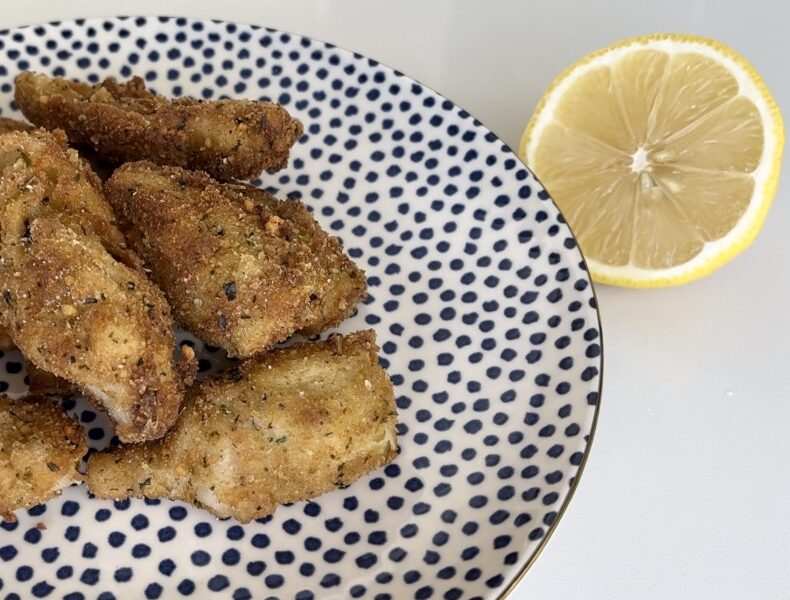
686	492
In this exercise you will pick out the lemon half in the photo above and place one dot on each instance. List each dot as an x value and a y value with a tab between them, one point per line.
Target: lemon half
663	153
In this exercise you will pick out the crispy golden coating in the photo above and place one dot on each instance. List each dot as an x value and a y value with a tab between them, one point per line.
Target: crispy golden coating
286	426
40	452
74	188
7	125
40	175
341	283
76	312
68	304
123	122
240	269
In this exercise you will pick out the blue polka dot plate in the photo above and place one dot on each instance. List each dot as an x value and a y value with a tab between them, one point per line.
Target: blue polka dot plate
484	312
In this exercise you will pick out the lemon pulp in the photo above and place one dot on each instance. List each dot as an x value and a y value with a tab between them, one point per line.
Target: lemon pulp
655	150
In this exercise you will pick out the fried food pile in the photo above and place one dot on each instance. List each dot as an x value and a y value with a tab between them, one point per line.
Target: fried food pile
94	276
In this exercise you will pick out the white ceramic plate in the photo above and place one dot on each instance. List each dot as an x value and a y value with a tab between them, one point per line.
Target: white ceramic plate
483	309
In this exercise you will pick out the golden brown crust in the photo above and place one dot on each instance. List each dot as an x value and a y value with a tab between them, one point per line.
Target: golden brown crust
235	272
76	312
123	122
286	426
70	307
40	452
41	175
7	125
340	284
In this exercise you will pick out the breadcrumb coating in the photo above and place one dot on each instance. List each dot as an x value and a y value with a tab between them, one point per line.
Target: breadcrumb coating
286	426
40	452
241	269
124	122
67	303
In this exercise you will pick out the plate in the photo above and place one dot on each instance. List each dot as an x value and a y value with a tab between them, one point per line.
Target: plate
484	312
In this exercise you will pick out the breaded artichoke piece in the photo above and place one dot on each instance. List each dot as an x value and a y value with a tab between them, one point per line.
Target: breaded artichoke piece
67	303
236	273
40	453
7	125
123	122
76	312
286	426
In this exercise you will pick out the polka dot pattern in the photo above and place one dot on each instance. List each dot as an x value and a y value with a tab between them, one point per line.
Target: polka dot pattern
483	308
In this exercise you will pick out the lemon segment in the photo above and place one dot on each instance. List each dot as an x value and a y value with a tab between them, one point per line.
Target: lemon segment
663	153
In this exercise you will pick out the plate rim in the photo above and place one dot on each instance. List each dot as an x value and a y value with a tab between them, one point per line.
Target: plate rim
514	582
